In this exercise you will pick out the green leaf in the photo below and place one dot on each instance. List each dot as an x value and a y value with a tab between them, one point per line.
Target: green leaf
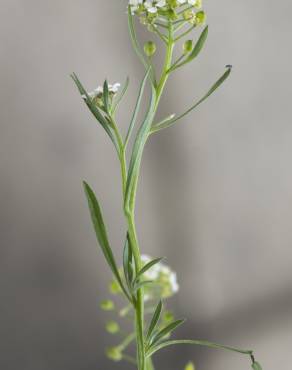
196	50
101	234
154	321
256	366
142	284
94	110
165	331
139	144
105	96
137	107
217	84
127	263
148	266
204	343
121	95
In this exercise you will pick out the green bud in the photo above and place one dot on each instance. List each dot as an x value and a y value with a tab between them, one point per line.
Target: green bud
114	287
112	327
256	366
200	18
188	46
107	305
172	3
188	15
150	48
198	4
114	353
168	316
190	366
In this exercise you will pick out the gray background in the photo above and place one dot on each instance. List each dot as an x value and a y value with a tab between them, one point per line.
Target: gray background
215	193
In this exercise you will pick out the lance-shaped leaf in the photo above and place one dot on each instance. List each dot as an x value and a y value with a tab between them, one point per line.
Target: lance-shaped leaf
203	343
154	321
147	267
94	110
165	331
105	96
128	263
101	234
138	147
217	84
141	284
118	99
137	107
196	50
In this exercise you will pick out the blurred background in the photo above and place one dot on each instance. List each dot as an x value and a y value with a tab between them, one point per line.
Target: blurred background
215	192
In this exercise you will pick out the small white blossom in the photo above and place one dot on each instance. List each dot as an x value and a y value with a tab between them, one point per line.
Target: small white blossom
113	89
163	276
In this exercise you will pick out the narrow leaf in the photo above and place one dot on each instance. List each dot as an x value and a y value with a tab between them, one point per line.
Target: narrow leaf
165	331
148	266
127	263
217	84
101	234
121	95
154	320
94	110
138	147
105	96
142	284
196	50
137	107
198	343
199	44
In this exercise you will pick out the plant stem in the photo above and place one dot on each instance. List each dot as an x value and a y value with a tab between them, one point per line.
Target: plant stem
130	215
138	304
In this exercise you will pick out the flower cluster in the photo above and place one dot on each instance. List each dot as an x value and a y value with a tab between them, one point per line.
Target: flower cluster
96	94
151	11
165	280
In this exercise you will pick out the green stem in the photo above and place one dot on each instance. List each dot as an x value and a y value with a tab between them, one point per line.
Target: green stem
130	216
138	304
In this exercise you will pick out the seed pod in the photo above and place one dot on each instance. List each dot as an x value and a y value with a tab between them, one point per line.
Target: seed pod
188	46
200	18
150	48
112	327
107	305
114	353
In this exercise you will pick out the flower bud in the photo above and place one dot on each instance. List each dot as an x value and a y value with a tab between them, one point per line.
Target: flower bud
188	46
112	327
188	15
200	18
114	287
198	4
114	353
150	48
190	366
107	305
168	317
172	3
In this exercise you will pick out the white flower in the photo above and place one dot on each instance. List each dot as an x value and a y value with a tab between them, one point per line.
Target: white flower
113	89
162	275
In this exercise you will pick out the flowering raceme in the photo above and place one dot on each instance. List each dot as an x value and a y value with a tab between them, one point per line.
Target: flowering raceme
153	11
